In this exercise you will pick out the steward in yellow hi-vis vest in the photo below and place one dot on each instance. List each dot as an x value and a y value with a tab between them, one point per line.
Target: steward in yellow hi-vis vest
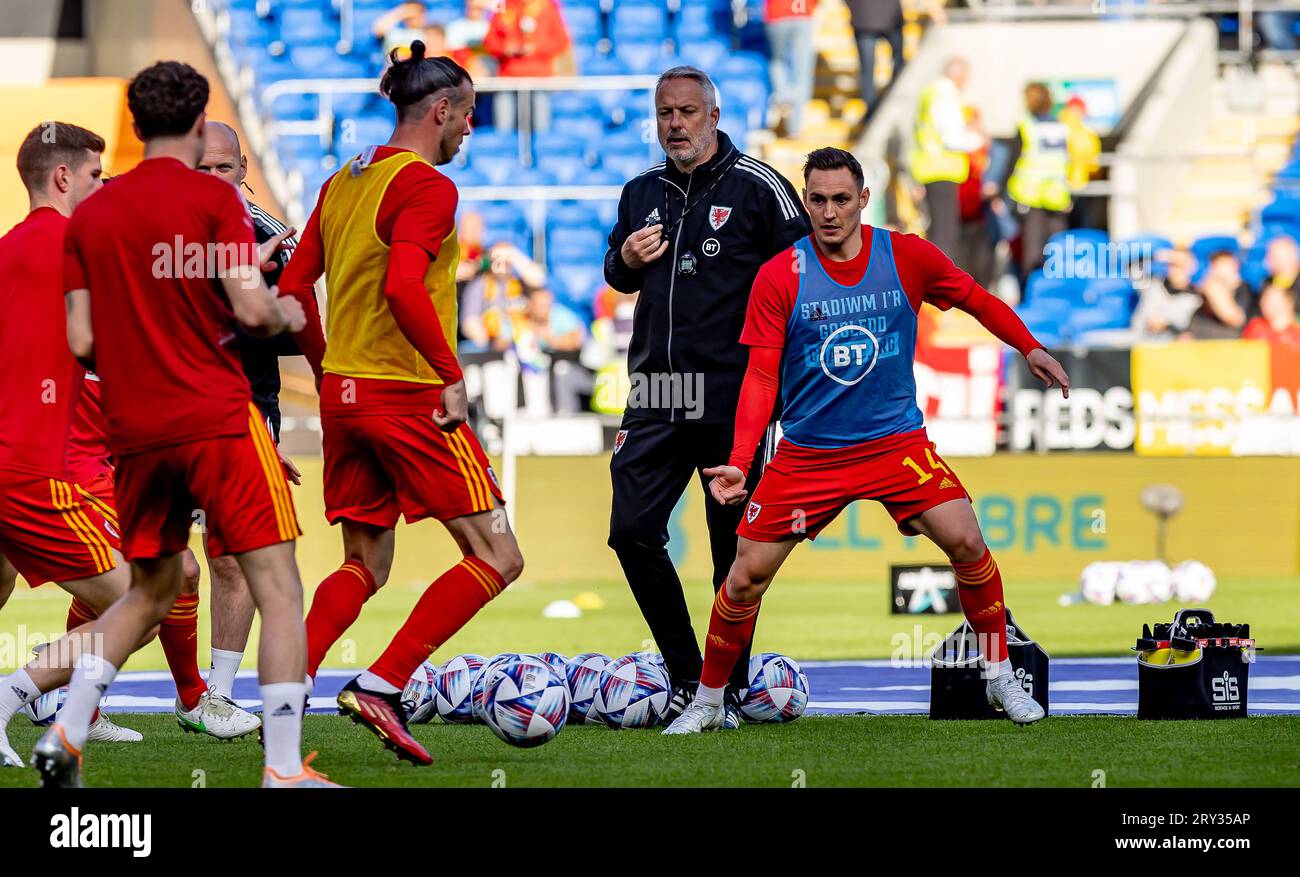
393	405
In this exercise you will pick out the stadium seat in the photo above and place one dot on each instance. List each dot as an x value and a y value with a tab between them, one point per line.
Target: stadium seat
464	176
532	176
584	237
304	26
1139	253
579	282
637	22
584	24
703	53
549	144
324	62
567	168
1253	270
1204	247
641	57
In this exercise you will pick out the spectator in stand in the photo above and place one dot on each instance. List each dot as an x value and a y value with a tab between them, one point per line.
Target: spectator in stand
975	254
876	20
606	353
527	38
397	27
470	30
1040	181
497	298
794	58
1165	307
1277	321
940	156
1225	301
1084	147
1282	259
472	262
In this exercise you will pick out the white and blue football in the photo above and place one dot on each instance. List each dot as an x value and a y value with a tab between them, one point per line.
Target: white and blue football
42	710
582	674
777	692
480	681
525	702
453	689
417	696
633	692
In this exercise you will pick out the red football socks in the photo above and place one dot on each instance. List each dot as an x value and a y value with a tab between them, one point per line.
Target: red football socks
335	606
179	635
731	627
442	609
979	588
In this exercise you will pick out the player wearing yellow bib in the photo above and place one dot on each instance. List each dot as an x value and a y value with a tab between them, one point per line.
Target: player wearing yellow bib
393	404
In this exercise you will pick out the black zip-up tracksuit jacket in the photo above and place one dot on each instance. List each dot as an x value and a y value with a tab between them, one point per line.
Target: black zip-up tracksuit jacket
688	325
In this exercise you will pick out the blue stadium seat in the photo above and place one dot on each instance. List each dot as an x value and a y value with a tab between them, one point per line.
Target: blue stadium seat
324	62
1283	208
1140	255
571	214
583	23
1040	288
703	53
587	238
356	134
296	146
742	65
641	57
304	26
626	164
295	107
1253	270
631	22
553	143
578	280
532	176
567	168
606	65
500	216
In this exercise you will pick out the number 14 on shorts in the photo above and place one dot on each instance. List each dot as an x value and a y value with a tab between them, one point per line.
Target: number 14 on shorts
935	466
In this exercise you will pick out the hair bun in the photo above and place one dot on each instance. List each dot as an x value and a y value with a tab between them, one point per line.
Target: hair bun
417	50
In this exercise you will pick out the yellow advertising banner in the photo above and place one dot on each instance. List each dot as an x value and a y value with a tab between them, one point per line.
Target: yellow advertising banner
1204	398
1045	516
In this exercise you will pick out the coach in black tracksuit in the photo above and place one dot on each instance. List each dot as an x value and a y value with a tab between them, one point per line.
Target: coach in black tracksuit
691	235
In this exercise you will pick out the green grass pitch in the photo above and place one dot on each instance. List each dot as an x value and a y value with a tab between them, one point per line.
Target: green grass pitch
805	619
816	751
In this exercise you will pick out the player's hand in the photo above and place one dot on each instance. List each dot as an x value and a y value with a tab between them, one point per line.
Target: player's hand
728	484
291	471
455	407
643	247
294	316
1048	370
267	249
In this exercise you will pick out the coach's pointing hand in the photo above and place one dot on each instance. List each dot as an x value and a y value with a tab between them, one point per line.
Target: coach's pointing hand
643	247
455	407
728	484
267	249
1048	370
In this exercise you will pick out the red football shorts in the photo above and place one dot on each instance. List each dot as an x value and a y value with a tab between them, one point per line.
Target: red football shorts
378	466
49	533
234	487
803	489
97	493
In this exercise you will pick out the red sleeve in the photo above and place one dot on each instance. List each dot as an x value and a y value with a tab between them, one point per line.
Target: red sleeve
418	208
298	280
754	410
413	310
930	276
74	273
771	301
232	224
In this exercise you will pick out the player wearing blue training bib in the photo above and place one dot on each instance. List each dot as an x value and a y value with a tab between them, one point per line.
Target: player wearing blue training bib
832	326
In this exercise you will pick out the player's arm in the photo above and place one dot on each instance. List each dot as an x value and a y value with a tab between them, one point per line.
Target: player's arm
768	314
758	394
426	218
81	336
298	282
929	275
259	310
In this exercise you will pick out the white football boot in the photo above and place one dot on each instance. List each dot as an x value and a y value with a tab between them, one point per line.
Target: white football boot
105	730
697	717
8	757
218	717
1005	693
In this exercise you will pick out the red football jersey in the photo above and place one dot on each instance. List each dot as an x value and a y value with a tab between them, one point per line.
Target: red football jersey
88	452
149	248
38	377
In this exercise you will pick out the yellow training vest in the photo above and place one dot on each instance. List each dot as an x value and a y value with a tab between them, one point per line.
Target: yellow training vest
1041	177
364	340
931	161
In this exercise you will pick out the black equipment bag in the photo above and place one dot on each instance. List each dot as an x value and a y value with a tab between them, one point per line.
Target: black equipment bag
957	684
1194	668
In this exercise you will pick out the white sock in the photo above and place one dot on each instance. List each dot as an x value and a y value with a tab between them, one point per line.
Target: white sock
709	696
91	677
370	682
16	691
282	726
1001	668
221	678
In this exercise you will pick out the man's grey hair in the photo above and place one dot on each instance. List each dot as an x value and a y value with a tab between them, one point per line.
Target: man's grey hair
695	74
